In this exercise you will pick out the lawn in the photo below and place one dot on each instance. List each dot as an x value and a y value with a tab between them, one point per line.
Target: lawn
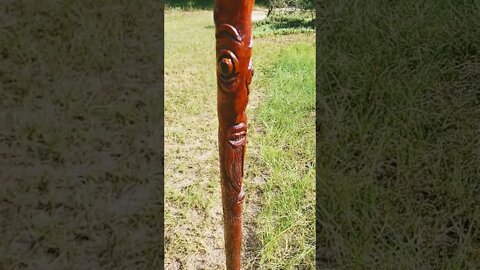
81	135
279	222
287	146
398	144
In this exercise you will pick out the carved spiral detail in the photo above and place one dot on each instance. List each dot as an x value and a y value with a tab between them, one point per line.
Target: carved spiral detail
227	67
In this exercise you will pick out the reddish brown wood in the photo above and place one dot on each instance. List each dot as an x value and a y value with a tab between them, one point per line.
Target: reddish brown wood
233	32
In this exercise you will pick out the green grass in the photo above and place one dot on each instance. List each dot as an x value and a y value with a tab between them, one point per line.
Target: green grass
193	222
286	24
398	147
287	222
189	4
199	4
80	136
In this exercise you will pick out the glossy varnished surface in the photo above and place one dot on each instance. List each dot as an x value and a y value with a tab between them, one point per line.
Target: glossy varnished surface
233	33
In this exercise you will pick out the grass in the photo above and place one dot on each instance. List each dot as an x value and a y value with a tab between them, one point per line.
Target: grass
286	24
199	4
398	145
189	4
80	137
193	222
287	146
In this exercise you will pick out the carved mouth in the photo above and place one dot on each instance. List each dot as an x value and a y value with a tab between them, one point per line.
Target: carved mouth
237	135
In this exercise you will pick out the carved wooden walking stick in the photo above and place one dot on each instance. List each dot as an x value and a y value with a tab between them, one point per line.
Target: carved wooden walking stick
233	32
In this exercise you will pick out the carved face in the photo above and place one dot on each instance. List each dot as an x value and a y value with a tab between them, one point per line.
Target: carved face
234	66
234	74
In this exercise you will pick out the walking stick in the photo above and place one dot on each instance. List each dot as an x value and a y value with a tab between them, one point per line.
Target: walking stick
233	33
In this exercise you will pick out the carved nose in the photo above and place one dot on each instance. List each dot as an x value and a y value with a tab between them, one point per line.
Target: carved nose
226	66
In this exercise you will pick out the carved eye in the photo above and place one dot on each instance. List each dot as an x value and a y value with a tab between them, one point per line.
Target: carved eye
227	66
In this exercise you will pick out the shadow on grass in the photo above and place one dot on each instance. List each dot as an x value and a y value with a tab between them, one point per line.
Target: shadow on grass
285	24
252	246
190	4
202	4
